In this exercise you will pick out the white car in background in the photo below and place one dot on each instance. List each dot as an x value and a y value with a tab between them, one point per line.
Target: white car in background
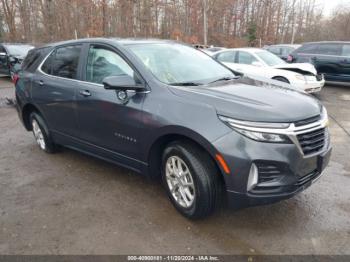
255	62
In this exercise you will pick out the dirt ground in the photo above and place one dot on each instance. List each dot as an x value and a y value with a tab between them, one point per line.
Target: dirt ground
70	203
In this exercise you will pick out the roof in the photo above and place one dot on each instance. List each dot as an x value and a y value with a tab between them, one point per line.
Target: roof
287	45
122	41
329	42
248	49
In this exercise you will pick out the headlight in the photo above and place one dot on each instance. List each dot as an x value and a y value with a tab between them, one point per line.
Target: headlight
251	130
324	116
299	77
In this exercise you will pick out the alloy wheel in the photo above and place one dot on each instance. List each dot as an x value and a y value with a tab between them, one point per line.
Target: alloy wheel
38	134
180	181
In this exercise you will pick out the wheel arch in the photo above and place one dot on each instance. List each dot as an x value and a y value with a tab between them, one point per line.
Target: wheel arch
26	111
279	76
155	149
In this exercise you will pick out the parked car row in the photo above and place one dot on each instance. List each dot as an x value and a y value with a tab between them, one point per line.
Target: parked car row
168	111
256	62
330	58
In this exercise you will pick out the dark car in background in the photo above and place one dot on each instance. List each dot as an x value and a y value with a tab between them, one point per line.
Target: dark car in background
11	57
167	110
330	58
282	50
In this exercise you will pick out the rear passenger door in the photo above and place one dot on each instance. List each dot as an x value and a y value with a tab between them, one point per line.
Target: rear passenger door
54	88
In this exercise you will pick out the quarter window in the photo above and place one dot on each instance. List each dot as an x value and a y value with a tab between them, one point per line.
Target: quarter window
103	62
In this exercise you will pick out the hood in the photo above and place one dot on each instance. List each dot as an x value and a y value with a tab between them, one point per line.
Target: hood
303	68
252	100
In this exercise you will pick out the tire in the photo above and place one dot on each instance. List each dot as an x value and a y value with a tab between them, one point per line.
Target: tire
281	79
198	170
41	133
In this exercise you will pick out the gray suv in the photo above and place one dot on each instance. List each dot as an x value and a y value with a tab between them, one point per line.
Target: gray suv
166	110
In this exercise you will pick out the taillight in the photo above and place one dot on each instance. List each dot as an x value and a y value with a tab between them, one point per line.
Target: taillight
290	58
15	78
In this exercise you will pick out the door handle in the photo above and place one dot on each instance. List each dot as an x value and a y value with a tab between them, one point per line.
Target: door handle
85	93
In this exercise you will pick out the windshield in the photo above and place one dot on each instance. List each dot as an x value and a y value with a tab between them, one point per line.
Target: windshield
269	58
19	50
176	63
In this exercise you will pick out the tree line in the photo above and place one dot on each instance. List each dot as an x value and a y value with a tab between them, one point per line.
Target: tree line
217	22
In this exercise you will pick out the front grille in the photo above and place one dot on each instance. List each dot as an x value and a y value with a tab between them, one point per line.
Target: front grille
307	121
305	179
312	142
267	172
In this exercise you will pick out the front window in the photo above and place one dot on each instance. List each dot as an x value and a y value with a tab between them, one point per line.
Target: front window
176	63
269	58
18	50
246	58
103	62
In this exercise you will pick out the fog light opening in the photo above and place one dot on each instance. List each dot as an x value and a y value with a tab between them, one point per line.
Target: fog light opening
253	177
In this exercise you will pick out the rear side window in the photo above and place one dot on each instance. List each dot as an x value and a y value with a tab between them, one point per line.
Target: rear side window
329	49
228	57
63	62
308	49
346	50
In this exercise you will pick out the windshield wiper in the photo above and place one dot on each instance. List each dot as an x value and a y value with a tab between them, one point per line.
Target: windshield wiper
185	84
226	78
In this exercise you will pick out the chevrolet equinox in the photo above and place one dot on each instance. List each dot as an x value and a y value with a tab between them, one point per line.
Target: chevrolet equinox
164	109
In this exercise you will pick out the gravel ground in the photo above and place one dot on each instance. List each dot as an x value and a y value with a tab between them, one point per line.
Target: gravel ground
69	203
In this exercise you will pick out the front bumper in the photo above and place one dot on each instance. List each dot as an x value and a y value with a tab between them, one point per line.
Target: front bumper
311	86
282	170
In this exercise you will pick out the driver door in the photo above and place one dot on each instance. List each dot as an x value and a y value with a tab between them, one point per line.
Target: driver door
109	125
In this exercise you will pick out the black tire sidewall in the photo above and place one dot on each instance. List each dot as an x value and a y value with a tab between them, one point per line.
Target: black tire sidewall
49	145
193	211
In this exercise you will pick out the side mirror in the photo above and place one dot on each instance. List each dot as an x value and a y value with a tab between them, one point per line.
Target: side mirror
123	83
3	54
257	63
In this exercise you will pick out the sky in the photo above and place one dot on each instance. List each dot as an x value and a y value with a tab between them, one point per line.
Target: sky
329	5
